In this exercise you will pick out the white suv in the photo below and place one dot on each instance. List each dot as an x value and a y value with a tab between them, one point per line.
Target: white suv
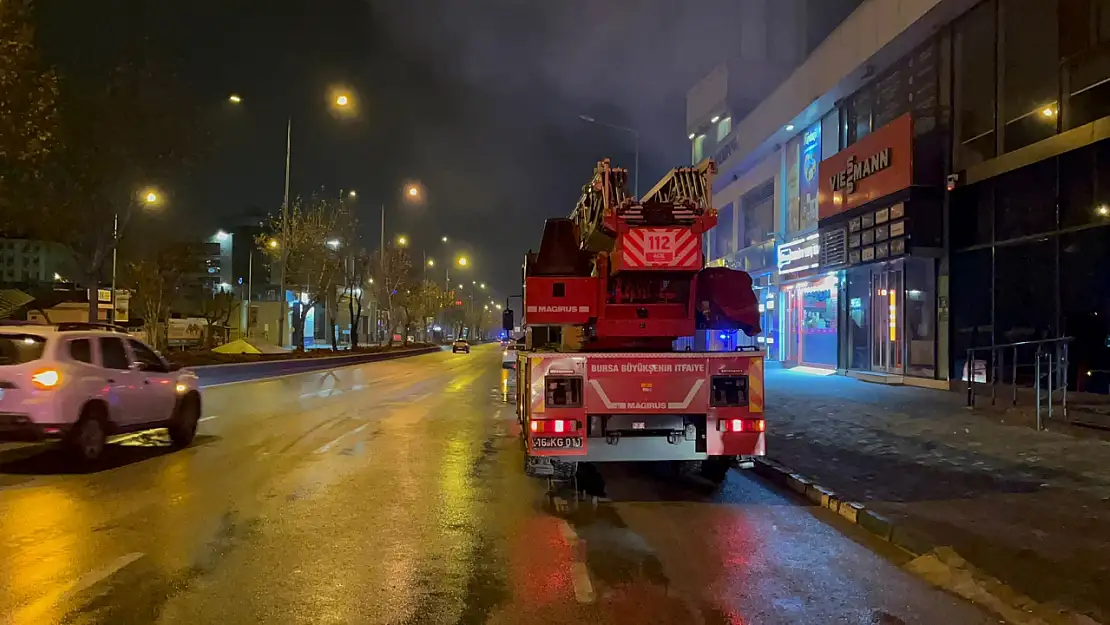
82	382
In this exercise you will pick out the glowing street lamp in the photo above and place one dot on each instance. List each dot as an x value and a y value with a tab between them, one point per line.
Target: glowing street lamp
234	99
333	243
272	244
402	240
352	195
431	262
482	286
342	100
463	261
444	239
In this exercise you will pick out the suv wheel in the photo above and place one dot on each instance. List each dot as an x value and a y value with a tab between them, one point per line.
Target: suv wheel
183	427
87	438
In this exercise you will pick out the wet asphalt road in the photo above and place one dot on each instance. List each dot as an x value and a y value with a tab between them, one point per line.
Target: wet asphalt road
393	493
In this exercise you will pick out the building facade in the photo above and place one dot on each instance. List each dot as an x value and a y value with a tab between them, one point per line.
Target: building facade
948	187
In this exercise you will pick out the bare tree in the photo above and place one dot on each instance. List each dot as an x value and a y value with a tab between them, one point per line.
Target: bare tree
390	278
217	308
28	114
156	280
357	271
419	302
310	254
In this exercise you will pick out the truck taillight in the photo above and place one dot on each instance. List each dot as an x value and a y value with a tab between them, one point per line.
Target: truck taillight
742	425
554	426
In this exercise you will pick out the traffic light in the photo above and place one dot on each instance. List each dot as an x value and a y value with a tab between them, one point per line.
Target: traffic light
507	319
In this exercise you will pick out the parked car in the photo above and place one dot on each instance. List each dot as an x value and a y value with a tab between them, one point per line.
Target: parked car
460	345
81	383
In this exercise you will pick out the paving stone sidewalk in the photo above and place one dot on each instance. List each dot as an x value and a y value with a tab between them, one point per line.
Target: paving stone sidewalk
1029	508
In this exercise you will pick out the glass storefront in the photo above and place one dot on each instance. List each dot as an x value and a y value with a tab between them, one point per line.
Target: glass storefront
891	317
809	322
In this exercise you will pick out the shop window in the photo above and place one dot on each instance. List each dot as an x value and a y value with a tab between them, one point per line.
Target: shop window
860	114
1077	188
1085	305
972	213
920	316
974	64
1025	201
1030	73
1025	291
858	326
811	322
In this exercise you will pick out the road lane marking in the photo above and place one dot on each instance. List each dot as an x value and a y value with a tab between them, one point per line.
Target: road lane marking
570	537
583	588
579	573
34	612
208	418
329	445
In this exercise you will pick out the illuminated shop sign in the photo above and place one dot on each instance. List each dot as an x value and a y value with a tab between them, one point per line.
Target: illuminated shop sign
799	254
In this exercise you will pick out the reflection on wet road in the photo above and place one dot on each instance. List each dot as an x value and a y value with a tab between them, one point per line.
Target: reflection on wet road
393	493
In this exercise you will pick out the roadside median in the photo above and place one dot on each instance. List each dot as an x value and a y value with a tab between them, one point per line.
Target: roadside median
243	368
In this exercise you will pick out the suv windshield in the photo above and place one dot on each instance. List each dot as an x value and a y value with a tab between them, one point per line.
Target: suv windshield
16	349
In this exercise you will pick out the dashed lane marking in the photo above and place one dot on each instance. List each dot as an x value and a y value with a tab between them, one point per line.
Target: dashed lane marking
208	418
583	588
579	574
332	443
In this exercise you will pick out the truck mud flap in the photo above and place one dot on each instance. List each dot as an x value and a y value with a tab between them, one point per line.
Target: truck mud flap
538	466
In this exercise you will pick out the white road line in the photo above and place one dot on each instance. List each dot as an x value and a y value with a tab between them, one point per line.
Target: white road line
570	537
329	445
583	588
37	611
208	418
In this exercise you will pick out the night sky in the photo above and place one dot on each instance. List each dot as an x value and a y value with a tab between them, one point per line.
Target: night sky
478	100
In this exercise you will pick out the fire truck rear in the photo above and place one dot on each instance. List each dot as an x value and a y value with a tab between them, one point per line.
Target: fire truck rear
605	298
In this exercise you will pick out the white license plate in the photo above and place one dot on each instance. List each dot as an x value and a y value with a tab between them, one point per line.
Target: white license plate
557	442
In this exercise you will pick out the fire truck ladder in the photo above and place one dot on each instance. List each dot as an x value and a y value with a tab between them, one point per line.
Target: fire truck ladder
605	192
680	198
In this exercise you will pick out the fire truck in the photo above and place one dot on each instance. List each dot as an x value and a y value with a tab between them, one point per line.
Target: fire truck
607	296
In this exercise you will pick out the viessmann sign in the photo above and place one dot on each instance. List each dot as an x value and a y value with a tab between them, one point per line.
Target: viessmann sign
876	166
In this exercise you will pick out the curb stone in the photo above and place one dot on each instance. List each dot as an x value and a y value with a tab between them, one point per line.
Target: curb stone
928	556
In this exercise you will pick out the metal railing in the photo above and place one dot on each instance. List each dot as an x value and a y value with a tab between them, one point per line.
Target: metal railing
1042	363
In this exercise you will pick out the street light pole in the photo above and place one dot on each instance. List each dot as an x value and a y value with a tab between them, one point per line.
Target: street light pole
636	139
115	254
285	232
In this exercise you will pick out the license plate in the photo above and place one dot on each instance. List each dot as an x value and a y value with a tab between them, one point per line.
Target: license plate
557	442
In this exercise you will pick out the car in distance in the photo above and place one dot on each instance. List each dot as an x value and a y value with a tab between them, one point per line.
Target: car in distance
460	345
508	355
82	382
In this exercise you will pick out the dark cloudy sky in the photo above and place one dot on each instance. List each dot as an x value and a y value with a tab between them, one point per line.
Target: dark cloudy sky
477	99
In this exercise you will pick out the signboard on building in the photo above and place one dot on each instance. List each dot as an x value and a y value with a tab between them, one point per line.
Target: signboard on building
122	312
793	184
876	166
799	255
811	158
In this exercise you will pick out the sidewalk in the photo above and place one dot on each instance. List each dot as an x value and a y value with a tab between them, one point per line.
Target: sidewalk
1029	508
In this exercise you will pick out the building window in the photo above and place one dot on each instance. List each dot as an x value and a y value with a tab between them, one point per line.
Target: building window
1029	73
723	128
724	241
974	61
698	149
758	207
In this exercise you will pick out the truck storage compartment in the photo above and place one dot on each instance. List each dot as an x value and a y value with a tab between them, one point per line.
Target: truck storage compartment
676	428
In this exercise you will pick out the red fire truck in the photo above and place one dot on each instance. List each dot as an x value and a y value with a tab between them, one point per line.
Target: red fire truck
607	295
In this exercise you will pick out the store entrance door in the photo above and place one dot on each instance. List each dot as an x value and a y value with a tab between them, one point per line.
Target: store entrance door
886	317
